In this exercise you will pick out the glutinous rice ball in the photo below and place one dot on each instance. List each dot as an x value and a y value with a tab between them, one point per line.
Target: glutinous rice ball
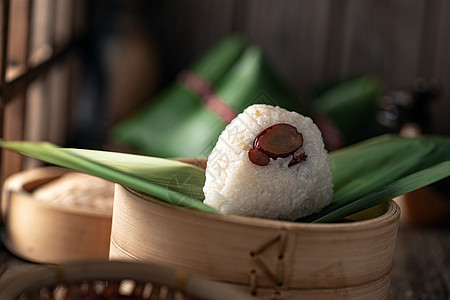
269	163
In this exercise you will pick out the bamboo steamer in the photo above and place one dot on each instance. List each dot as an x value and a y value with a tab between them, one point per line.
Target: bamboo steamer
266	258
41	232
107	280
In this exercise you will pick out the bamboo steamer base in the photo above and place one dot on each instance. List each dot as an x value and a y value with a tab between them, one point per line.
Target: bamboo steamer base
374	290
265	258
41	232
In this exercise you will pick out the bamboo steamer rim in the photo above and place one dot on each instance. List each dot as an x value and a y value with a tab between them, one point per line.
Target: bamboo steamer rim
38	177
391	214
51	275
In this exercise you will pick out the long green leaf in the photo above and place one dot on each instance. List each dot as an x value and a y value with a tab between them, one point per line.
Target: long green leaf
397	188
365	174
364	168
360	169
54	155
181	177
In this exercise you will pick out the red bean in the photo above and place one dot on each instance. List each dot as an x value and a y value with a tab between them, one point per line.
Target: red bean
258	157
279	140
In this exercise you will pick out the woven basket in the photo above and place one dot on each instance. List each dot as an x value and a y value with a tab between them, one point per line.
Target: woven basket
111	280
41	232
265	258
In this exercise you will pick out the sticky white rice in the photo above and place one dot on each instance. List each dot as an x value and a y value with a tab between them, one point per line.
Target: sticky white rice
234	185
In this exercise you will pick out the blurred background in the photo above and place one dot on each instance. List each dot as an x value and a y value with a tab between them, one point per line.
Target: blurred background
73	70
163	78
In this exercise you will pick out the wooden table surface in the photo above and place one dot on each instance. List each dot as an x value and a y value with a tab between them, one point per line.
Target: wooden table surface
421	268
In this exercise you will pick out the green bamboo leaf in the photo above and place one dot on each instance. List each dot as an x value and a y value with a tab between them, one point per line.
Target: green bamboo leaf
366	167
386	193
54	155
177	114
348	104
360	169
181	177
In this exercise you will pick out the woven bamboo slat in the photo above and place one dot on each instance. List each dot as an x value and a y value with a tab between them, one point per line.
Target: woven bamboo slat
108	280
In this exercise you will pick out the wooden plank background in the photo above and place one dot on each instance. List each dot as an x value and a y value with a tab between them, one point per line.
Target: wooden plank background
39	43
308	42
